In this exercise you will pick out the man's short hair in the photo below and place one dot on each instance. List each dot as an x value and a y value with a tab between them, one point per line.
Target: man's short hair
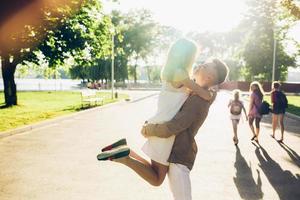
221	69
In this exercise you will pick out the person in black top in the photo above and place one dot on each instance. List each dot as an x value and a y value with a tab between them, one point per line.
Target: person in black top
279	104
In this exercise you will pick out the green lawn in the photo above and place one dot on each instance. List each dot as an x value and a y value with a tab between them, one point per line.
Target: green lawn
294	104
38	106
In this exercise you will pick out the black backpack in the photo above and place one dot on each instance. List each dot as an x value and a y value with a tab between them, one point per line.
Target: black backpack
283	100
264	108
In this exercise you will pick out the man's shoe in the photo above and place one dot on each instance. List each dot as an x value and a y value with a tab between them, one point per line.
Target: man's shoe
115	153
114	145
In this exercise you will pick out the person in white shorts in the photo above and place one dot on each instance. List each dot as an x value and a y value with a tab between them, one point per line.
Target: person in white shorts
236	107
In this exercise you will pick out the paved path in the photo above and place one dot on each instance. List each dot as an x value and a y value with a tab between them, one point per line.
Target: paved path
59	161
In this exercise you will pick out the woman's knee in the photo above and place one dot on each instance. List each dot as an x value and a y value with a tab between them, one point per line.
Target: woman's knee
161	171
157	182
250	122
257	122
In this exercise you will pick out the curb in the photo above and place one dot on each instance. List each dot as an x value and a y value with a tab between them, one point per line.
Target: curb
60	118
292	116
142	98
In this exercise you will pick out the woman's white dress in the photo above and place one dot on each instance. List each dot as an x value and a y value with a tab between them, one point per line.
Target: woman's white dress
169	102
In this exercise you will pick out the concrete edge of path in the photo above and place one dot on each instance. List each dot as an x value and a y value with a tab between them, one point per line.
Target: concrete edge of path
64	117
292	116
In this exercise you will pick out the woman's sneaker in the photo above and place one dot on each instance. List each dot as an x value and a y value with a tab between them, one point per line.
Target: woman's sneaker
114	145
118	152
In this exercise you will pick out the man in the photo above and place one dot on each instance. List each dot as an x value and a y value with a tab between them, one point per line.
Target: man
185	126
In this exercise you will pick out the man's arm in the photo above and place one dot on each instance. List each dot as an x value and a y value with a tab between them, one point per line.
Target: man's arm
182	120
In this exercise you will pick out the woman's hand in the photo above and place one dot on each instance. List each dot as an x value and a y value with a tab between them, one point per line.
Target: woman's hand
214	95
143	131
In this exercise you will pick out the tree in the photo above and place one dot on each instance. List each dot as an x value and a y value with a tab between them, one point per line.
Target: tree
292	8
85	37
223	45
259	28
22	26
166	35
140	35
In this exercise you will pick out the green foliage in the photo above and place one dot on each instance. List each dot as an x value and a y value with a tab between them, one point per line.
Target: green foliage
235	69
154	73
259	27
292	8
84	36
140	35
78	72
248	48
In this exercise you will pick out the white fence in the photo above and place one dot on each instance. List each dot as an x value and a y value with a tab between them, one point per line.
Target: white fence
44	84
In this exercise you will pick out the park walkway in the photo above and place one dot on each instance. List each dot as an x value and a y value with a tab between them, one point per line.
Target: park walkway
58	161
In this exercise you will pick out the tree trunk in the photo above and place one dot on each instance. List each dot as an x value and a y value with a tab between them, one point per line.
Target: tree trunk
135	66
10	89
148	74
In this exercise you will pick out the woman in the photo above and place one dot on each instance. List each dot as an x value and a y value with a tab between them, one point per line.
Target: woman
176	87
236	107
279	104
256	98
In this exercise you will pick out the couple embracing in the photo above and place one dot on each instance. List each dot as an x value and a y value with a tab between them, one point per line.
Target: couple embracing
183	105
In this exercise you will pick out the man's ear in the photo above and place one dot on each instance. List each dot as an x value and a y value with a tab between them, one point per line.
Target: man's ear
209	79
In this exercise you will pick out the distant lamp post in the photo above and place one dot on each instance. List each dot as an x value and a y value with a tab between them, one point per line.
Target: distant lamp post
112	61
274	60
274	55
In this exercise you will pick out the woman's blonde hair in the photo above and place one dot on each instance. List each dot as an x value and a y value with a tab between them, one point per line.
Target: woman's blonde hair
259	90
236	94
181	55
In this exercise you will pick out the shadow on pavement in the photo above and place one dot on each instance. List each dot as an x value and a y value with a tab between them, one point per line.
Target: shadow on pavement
293	155
3	106
244	181
283	181
290	125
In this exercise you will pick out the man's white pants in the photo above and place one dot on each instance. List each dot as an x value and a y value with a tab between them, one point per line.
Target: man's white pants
179	181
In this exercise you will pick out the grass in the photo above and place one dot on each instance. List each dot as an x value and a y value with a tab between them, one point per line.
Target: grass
294	104
38	106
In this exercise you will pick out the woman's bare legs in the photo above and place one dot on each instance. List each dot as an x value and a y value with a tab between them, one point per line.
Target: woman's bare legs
234	126
154	172
251	119
257	133
274	124
281	116
257	127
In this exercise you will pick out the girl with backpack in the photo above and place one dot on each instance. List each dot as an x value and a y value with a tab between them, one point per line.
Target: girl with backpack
236	106
256	99
279	104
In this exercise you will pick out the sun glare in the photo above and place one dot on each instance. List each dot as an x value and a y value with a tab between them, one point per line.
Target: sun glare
189	15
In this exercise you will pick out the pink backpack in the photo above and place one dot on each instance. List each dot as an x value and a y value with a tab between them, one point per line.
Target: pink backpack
236	107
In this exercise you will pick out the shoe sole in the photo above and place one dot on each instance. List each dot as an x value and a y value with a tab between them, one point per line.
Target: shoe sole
120	152
114	145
